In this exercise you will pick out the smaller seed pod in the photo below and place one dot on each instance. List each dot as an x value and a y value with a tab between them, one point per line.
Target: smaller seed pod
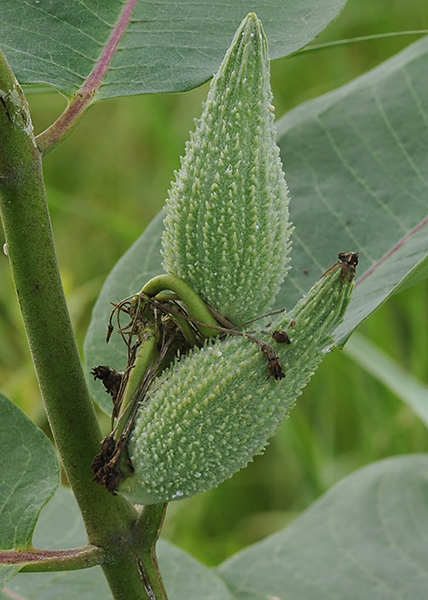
210	413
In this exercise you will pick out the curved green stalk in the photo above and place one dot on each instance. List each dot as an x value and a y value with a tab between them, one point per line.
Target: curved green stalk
186	330
142	361
187	294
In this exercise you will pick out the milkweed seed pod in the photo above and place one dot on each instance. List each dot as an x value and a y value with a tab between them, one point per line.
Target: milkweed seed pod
231	180
211	412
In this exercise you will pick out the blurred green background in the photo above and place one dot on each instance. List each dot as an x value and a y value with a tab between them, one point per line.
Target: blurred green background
104	185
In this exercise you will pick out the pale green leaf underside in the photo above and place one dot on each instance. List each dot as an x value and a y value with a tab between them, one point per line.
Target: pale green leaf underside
356	161
364	539
29	475
61	526
167	46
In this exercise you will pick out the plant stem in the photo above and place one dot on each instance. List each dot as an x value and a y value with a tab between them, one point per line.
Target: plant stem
143	359
54	560
66	122
147	529
109	520
38	285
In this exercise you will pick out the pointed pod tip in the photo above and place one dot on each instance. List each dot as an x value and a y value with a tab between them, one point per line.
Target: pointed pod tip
249	42
252	17
251	24
347	264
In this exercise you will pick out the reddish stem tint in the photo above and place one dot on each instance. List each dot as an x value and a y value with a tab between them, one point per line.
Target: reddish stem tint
83	98
391	251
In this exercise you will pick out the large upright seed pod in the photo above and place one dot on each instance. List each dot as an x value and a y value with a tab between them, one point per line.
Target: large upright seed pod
227	228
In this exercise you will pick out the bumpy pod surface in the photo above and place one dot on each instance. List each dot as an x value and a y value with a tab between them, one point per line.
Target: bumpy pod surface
227	228
210	413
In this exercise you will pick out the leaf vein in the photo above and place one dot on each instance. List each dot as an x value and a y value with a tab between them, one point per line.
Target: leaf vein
357	178
56	18
393	133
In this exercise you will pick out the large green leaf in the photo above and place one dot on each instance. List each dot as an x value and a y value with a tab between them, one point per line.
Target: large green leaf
61	526
187	579
364	539
173	45
356	160
29	475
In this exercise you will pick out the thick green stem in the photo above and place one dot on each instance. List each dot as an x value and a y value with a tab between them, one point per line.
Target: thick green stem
147	531
38	285
109	520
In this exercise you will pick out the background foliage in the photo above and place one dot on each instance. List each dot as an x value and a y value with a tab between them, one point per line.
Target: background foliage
104	185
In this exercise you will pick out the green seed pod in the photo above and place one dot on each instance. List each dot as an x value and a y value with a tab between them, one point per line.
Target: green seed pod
231	181
208	415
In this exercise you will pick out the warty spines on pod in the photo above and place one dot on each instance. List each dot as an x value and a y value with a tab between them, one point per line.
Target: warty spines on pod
227	225
210	413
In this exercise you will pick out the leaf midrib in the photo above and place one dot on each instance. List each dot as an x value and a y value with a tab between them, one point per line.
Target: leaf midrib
94	79
392	250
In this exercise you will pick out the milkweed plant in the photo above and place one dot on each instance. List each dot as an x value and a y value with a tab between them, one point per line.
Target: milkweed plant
221	383
212	365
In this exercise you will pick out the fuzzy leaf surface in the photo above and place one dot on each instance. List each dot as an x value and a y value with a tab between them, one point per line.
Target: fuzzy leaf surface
364	539
61	526
29	475
168	46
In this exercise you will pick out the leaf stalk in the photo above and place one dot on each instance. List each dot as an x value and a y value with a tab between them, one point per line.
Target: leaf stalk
36	560
66	122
